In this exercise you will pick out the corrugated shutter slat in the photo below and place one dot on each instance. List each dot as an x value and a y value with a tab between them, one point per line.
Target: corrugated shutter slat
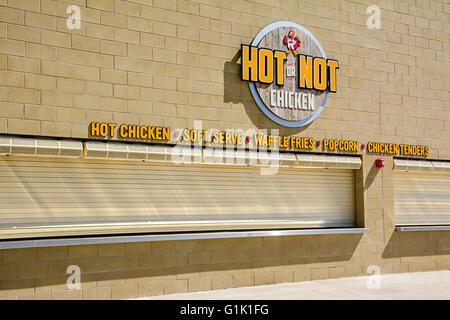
60	197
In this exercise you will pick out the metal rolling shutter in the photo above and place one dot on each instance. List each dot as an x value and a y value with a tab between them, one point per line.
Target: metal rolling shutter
54	197
422	193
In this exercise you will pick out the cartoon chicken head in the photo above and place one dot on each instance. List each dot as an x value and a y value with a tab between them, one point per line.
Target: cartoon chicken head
292	42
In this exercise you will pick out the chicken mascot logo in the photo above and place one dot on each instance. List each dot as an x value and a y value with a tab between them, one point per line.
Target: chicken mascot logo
292	42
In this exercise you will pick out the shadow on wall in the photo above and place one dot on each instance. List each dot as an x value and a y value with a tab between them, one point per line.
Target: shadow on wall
374	171
237	91
417	243
117	264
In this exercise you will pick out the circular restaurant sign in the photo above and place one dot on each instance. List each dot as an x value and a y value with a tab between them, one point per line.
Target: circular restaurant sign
289	74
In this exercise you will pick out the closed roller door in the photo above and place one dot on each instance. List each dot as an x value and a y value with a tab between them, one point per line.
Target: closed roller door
42	197
422	198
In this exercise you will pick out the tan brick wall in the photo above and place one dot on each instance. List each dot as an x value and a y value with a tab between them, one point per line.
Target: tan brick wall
168	62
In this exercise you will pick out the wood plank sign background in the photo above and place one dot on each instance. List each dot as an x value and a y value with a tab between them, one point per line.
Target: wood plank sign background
274	41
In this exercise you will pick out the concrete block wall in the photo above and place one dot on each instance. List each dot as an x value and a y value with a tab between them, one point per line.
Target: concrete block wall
130	270
168	63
